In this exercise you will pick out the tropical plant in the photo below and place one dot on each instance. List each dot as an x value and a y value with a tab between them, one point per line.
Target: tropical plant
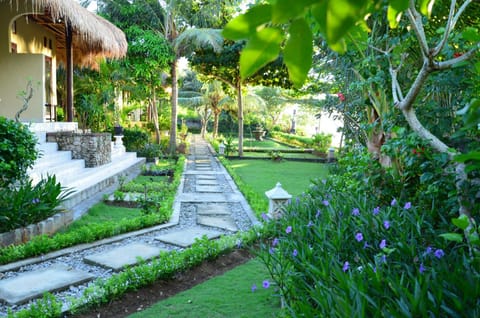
18	151
343	254
30	204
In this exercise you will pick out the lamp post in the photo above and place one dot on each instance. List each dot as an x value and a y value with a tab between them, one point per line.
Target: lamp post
278	199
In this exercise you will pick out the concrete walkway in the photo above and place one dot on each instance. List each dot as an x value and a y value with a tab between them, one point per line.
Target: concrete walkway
207	197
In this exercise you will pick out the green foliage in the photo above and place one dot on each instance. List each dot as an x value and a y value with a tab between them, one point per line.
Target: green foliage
30	204
150	151
276	155
118	195
257	202
134	139
334	19
320	142
163	267
342	253
91	114
47	307
94	231
17	151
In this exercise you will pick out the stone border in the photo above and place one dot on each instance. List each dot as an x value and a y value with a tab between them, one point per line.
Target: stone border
45	227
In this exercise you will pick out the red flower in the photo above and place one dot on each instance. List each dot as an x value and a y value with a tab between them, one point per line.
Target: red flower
341	97
456	54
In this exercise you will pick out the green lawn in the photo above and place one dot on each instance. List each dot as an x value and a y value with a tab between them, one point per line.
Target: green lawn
143	179
263	175
284	155
267	143
228	295
102	212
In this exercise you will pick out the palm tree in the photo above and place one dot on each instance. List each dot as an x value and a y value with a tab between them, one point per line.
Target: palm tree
189	29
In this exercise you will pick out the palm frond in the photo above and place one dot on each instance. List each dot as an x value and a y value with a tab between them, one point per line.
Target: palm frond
192	39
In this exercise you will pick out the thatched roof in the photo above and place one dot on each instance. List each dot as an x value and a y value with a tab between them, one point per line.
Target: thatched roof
93	36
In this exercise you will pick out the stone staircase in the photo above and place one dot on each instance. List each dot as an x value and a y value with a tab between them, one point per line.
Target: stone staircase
86	183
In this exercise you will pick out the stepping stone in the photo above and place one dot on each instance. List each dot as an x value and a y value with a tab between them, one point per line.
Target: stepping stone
203	168
30	285
203	161
213	209
224	222
207	182
206	177
123	256
186	237
208	188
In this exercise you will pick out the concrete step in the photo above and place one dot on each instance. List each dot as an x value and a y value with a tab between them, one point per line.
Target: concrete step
52	158
46	147
64	171
92	181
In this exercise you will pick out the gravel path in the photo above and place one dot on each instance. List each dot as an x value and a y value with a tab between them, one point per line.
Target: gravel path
200	162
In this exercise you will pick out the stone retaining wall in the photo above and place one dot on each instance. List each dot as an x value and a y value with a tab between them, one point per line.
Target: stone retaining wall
46	227
94	148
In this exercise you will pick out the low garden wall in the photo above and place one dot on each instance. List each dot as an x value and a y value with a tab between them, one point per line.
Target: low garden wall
45	227
94	148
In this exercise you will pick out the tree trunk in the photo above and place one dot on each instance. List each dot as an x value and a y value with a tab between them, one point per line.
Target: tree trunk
240	117
461	178
174	100
215	124
204	119
155	116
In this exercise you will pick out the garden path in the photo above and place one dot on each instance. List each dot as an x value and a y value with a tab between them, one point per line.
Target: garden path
207	203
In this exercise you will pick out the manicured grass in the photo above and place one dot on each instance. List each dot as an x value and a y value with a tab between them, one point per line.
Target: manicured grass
284	155
143	179
266	143
263	175
228	295
102	212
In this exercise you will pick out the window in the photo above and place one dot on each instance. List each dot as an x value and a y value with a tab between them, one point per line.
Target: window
14	27
13	47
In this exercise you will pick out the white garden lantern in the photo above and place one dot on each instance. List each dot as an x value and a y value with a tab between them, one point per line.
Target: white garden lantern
221	149
278	200
331	154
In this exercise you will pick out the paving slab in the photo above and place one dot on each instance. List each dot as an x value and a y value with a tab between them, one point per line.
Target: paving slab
186	237
30	285
203	168
201	182
208	188
213	209
206	177
221	221
122	256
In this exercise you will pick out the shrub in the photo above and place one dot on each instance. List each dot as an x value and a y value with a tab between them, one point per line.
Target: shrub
43	244
322	142
342	254
28	204
134	139
17	151
292	140
150	151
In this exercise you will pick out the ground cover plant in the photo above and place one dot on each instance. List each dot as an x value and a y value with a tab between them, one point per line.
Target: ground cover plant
343	254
